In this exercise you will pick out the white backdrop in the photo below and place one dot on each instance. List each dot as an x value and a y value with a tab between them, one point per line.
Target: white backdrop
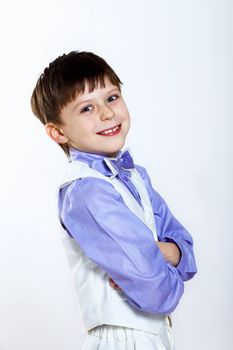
175	60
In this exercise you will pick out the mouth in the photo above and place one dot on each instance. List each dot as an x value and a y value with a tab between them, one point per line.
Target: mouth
111	131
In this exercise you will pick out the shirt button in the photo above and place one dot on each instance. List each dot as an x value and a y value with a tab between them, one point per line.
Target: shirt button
125	178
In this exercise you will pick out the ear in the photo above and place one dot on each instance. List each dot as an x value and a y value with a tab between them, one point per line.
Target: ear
56	133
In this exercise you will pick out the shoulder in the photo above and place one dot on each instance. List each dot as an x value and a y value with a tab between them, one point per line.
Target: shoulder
88	189
144	174
142	170
147	181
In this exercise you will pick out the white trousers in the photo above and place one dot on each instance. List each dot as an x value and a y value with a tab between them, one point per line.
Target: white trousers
108	337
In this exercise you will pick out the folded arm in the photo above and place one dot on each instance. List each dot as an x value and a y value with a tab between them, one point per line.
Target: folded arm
170	251
95	215
169	229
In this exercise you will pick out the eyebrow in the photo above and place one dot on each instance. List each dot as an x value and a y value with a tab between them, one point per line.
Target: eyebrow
85	101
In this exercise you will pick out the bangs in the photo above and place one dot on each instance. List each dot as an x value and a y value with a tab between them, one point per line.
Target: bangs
77	86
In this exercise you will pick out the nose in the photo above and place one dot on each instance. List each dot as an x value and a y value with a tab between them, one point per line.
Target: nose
106	112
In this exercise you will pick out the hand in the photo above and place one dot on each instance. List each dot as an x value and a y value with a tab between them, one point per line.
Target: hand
170	251
113	284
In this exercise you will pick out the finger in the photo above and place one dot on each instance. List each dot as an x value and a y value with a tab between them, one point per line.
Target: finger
113	284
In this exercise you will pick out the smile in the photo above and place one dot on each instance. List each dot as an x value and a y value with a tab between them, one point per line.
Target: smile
110	132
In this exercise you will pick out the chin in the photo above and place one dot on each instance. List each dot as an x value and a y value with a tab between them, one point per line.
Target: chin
119	147
113	152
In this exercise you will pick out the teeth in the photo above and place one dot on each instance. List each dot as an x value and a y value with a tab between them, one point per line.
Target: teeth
110	130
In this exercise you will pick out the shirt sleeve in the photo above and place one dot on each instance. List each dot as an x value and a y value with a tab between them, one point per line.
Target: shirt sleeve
116	240
169	229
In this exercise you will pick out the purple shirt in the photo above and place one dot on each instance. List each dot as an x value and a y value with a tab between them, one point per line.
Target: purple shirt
116	240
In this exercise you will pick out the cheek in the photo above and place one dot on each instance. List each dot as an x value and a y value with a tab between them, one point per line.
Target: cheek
124	112
83	127
127	116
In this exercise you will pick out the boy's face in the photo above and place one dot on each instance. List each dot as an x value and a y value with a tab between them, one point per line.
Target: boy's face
96	122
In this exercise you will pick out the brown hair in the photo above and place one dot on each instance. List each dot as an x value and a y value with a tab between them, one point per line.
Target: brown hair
63	79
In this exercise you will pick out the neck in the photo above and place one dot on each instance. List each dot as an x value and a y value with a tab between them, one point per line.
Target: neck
109	155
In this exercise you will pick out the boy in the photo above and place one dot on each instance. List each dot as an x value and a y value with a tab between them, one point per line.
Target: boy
129	255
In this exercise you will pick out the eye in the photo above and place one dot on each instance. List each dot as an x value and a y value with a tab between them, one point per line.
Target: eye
112	98
87	109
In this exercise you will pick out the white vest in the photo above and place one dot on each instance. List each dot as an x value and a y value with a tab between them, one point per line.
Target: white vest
99	302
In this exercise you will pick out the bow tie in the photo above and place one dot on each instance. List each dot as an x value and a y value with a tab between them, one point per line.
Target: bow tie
121	166
123	162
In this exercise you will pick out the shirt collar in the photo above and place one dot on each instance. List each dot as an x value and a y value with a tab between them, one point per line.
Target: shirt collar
94	161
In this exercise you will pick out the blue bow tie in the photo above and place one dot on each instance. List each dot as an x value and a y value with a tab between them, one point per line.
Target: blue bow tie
123	162
121	166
